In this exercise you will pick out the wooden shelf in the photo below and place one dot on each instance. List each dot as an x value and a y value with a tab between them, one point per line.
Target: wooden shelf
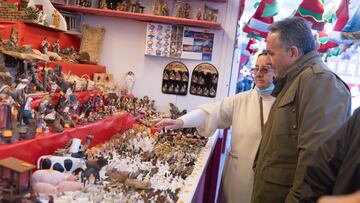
142	17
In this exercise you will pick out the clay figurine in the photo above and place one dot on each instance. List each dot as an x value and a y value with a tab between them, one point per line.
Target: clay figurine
44	46
130	81
56	47
93	168
56	19
164	11
103	4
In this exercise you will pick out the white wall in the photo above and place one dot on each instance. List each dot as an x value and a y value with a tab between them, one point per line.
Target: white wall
124	46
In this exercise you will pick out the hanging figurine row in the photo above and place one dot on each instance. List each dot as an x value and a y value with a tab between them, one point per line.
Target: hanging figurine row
175	79
203	81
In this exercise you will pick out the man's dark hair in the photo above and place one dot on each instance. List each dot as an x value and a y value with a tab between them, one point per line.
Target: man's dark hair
295	31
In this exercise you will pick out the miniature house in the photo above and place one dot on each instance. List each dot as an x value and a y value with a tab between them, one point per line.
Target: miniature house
11	186
73	21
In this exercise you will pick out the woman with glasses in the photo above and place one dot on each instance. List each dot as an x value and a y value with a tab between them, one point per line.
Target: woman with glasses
247	113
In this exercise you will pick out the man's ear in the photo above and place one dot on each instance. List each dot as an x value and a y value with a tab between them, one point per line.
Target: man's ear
294	52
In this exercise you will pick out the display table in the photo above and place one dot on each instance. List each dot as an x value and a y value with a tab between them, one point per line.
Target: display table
43	144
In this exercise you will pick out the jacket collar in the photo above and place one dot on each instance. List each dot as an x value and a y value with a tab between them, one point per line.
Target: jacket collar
293	70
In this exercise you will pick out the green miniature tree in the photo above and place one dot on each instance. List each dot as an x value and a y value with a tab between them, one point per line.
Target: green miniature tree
32	13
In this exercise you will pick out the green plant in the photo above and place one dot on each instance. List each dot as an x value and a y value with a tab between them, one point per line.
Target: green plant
32	13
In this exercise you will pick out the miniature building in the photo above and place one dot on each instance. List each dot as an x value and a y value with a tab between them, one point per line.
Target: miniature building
16	167
73	21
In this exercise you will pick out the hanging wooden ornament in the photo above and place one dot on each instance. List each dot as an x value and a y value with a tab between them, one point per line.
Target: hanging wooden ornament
204	80
175	78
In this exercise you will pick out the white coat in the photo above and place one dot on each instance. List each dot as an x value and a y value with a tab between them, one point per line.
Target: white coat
242	112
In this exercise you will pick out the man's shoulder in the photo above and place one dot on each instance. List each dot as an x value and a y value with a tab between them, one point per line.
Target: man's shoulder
316	69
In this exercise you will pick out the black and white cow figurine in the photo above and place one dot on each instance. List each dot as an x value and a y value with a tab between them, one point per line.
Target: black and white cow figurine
65	164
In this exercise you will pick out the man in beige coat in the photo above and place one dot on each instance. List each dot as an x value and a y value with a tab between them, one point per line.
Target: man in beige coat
311	104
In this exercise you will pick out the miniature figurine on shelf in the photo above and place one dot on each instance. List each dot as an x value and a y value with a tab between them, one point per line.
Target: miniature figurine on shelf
137	7
130	81
199	14
182	9
56	47
44	46
34	78
160	7
155	6
210	14
27	112
103	4
56	19
42	17
164	11
12	43
124	6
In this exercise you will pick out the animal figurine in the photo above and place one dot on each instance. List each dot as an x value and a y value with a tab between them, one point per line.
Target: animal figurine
62	163
93	168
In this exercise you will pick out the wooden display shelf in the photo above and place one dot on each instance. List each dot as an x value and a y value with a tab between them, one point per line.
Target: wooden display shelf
142	17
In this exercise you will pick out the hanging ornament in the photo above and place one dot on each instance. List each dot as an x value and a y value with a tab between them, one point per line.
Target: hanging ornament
262	18
312	11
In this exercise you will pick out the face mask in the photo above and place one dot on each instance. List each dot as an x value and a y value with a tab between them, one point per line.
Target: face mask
265	92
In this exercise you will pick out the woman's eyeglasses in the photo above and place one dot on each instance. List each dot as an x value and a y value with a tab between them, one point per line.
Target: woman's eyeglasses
262	71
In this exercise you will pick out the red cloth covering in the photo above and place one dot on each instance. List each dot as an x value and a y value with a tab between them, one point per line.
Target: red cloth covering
82	98
33	35
44	144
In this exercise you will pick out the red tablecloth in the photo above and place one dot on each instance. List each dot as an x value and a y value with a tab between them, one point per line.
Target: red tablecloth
43	144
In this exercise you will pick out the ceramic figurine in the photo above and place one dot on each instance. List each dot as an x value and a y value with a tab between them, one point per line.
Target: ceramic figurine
210	14
137	7
93	168
172	75
177	76
164	11
42	17
184	77
206	92
165	88
193	89
56	47
165	75
183	89
27	112
177	89
212	91
130	81
214	78
155	7
44	46
56	19
182	9
103	4
34	77
199	14
12	43
171	88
